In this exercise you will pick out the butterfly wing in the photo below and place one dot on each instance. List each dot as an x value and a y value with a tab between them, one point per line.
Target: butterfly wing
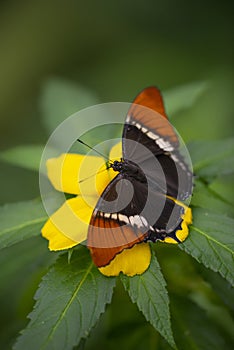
122	219
119	222
115	223
150	97
147	113
147	125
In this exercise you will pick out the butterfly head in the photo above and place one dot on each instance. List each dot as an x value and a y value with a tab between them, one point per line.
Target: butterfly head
117	166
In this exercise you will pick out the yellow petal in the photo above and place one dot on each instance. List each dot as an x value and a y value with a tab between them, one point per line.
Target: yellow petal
133	261
188	217
68	226
187	220
116	152
57	240
67	170
183	233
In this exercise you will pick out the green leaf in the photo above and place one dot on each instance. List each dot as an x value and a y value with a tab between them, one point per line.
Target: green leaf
22	266
220	286
183	97
70	300
194	329
19	221
124	326
60	99
149	292
211	242
28	157
212	158
204	197
224	187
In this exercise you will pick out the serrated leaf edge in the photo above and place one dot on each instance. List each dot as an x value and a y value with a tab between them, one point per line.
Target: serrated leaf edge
209	238
69	303
200	260
170	338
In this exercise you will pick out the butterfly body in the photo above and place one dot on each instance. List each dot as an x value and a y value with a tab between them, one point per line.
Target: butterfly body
129	169
141	203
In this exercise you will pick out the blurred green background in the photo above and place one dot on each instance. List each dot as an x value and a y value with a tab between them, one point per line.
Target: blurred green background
113	49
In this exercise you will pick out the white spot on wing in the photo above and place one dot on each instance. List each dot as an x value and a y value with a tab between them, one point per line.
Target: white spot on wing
135	220
123	218
128	118
144	221
114	216
138	221
152	136
165	145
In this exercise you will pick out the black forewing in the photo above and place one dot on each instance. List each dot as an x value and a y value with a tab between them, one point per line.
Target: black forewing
160	160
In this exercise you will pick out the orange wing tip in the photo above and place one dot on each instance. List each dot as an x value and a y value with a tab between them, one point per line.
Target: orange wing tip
151	97
131	262
153	117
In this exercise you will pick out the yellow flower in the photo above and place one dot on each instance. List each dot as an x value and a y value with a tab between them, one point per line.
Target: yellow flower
86	177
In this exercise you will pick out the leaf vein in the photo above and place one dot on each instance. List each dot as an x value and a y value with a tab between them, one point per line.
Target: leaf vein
25	224
209	238
67	306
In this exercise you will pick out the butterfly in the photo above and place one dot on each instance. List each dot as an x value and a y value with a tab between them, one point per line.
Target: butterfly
143	202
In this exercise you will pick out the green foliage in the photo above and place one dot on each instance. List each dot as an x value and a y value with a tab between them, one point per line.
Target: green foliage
211	242
212	158
22	267
73	294
183	97
20	221
204	197
70	299
192	325
150	293
60	99
28	156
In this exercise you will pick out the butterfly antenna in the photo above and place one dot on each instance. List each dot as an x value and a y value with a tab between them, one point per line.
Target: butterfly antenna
92	148
99	172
